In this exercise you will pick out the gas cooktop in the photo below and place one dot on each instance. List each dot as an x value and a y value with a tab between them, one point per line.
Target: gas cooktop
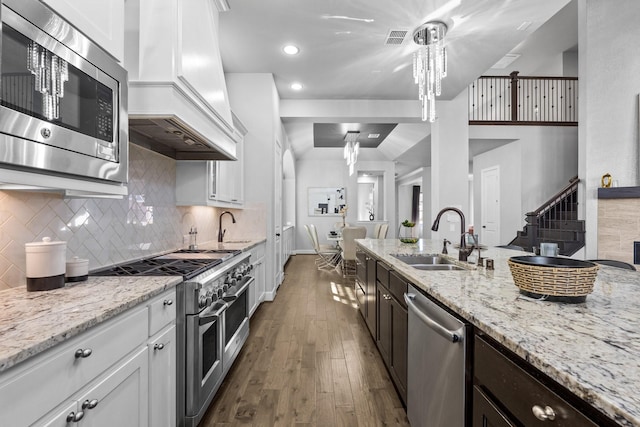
186	262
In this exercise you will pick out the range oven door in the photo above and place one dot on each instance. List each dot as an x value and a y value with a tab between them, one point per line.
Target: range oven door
236	321
204	371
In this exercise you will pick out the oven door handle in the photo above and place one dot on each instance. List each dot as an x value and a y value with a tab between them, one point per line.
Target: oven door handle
239	291
203	320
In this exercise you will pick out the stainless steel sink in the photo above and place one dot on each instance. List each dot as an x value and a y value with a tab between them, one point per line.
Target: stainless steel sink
437	267
428	262
423	259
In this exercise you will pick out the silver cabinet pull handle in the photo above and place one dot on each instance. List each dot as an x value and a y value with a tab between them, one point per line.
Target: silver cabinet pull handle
83	353
74	417
89	404
159	346
544	414
168	302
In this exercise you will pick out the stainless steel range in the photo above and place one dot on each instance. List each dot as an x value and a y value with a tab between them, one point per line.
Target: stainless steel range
212	320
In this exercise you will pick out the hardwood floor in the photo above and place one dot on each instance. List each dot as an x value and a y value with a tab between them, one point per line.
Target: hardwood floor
309	361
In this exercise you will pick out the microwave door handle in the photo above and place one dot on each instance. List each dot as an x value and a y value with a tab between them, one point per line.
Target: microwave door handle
203	320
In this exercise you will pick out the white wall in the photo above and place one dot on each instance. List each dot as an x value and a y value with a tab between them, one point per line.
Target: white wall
532	169
254	100
334	173
609	87
450	164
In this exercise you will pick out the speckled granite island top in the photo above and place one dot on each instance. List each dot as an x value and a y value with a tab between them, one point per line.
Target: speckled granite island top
31	322
591	348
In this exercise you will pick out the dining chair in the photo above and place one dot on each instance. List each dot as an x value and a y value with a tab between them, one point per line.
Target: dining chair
328	256
348	244
382	234
376	230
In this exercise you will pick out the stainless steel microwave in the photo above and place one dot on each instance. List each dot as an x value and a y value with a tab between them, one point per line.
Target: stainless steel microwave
62	98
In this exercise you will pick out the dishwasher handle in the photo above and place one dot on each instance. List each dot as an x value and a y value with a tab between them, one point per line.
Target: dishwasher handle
453	336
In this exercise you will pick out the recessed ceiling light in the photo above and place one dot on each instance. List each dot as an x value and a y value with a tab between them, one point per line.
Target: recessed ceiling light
291	49
296	86
373	135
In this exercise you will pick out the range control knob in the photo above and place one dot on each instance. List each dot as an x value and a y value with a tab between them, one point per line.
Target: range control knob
219	292
204	301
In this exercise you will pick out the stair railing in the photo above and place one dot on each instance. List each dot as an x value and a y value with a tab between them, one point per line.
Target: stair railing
561	206
523	100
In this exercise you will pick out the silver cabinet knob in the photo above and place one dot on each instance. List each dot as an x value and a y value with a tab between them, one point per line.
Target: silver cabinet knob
543	414
89	404
74	417
168	302
386	296
159	346
83	353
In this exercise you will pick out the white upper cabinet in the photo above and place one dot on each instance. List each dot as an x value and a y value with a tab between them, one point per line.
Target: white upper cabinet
100	20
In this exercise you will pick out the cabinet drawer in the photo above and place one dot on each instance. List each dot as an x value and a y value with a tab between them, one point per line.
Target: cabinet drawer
518	391
382	273
48	379
398	287
162	311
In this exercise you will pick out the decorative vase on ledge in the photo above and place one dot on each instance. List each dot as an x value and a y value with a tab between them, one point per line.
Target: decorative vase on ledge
371	216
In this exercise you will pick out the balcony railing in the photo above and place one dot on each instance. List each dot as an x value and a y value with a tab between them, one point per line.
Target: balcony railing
509	100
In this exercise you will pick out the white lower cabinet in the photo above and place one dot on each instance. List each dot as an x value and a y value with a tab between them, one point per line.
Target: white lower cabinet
162	381
118	398
110	375
256	291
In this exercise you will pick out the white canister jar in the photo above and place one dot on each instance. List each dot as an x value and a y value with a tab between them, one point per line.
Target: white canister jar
77	269
46	264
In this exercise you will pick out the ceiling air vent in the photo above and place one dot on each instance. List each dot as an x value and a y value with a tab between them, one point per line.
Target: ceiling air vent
396	37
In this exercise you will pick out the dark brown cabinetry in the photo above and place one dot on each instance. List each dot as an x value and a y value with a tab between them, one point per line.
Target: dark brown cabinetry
505	394
392	325
365	289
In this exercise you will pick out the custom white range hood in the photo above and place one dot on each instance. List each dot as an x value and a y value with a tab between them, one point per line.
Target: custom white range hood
178	102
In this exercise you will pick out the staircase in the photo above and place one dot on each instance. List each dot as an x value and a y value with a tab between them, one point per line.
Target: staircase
556	221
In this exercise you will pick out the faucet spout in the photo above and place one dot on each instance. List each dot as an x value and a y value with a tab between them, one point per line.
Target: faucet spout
463	252
221	232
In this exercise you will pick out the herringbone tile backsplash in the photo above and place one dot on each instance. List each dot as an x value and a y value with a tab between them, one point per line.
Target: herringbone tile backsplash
108	231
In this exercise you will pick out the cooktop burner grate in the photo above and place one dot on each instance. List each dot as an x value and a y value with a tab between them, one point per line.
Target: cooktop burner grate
187	268
165	265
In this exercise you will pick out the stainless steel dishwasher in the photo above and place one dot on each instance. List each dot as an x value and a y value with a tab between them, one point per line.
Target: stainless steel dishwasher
436	364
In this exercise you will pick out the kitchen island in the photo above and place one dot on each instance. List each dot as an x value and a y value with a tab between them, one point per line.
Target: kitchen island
592	348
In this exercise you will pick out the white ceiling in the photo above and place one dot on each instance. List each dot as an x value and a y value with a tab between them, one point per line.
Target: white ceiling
342	56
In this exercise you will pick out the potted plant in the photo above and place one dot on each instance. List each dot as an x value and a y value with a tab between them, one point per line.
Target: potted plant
406	232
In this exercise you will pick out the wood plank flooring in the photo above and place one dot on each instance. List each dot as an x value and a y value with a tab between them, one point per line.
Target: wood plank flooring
309	361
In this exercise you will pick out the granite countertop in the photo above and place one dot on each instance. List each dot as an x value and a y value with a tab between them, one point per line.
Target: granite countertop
233	244
31	322
591	348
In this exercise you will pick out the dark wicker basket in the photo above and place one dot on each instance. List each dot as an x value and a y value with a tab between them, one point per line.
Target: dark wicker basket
553	276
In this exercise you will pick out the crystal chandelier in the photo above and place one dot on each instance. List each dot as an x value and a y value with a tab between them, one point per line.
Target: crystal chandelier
351	148
429	65
51	72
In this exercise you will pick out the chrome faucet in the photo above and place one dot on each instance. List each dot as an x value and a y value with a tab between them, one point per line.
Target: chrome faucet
463	251
220	231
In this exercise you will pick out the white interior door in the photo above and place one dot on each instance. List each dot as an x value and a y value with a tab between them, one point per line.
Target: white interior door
490	206
277	214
